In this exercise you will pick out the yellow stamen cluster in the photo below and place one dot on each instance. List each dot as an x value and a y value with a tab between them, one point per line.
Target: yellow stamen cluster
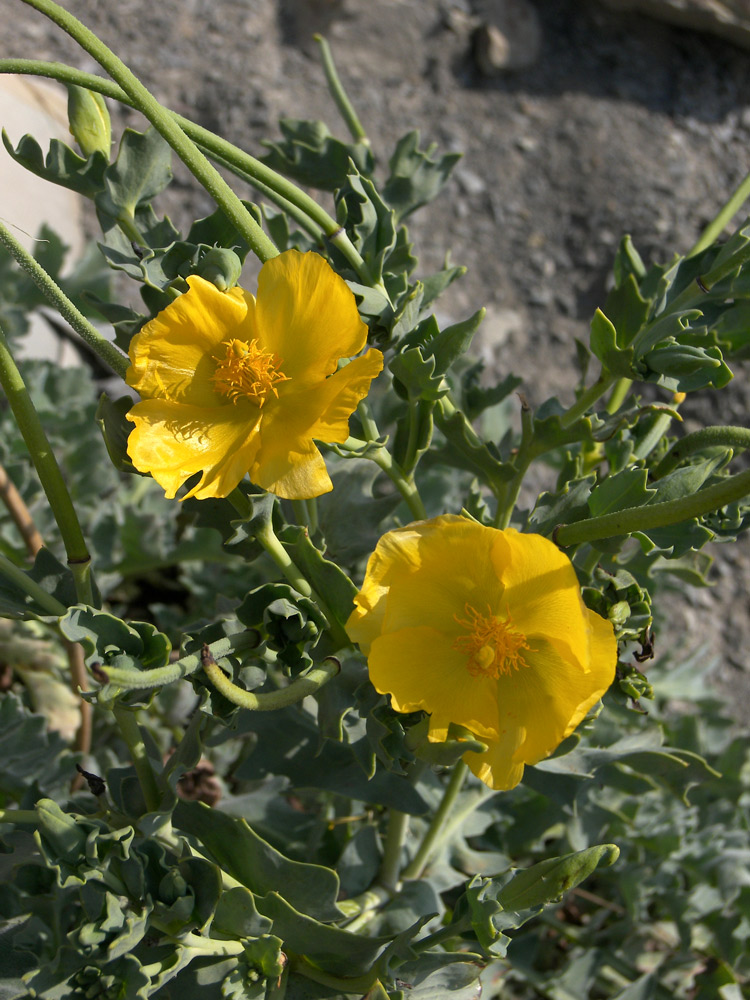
247	372
493	646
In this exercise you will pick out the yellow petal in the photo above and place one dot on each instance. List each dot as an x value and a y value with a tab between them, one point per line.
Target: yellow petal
496	767
542	591
292	468
421	671
549	698
338	396
173	441
288	463
172	357
445	583
307	315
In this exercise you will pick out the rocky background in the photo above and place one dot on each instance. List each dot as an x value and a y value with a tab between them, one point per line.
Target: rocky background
579	121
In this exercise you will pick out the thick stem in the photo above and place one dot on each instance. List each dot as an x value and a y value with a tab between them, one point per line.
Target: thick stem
267	538
56	297
357	985
194	160
737	438
700	286
404	484
48	471
19	816
587	399
436	829
128	726
656	515
390	867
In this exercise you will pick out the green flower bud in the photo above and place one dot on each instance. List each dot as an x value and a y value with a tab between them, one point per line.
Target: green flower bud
221	267
89	121
680	360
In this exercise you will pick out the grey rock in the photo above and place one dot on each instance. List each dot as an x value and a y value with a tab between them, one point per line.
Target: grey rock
509	37
729	19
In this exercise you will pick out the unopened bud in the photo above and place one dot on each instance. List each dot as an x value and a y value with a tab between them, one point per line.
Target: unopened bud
221	267
89	121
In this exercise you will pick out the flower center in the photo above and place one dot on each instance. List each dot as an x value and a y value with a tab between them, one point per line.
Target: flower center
492	646
247	372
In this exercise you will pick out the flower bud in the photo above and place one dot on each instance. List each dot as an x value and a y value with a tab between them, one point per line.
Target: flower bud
89	121
221	267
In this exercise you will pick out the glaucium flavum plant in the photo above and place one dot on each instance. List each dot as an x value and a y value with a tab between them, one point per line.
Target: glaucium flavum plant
234	385
320	606
483	629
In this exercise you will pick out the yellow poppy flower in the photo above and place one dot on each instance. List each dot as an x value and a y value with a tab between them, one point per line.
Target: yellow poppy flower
233	385
485	629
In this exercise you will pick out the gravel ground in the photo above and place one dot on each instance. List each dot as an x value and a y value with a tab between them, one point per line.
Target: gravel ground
620	124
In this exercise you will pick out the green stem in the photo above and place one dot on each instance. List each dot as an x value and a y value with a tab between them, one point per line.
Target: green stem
655	515
728	210
366	418
361	909
300	688
163	122
619	394
48	471
277	189
403	483
131	680
267	538
390	867
265	534
339	95
301	513
312	513
411	444
21	579
437	828
587	399
382	457
234	166
698	288
522	462
737	438
19	816
128	726
55	295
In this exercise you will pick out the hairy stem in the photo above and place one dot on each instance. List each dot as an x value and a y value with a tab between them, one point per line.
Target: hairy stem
57	297
656	515
300	688
737	438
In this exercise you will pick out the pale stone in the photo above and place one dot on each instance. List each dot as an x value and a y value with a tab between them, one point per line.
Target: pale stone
729	19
